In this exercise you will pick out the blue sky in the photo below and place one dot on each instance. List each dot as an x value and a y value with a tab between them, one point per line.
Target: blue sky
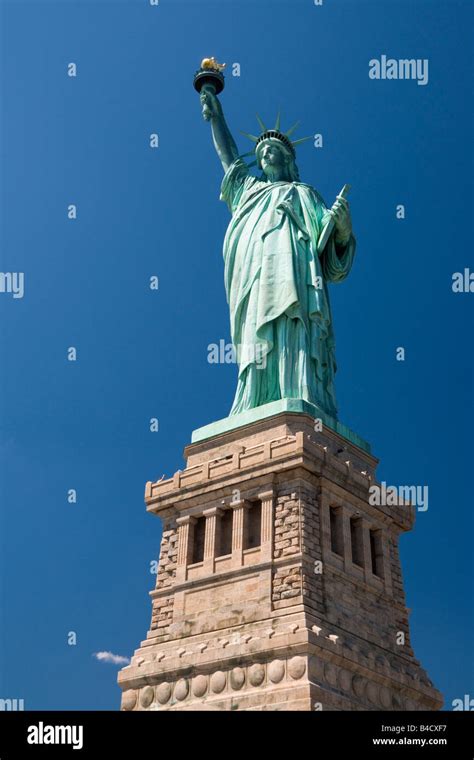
84	567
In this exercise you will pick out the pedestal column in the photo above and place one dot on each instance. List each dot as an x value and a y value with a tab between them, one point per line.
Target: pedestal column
185	545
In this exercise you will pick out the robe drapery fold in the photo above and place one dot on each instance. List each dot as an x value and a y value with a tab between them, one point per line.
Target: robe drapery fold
276	286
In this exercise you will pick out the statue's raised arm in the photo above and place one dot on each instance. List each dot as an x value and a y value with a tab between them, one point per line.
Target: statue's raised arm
212	111
209	82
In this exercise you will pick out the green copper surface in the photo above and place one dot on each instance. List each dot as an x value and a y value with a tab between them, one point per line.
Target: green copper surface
276	279
298	406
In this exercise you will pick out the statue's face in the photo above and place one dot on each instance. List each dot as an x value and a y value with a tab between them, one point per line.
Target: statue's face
272	158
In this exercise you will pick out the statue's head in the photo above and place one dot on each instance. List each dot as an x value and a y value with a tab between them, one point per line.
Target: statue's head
275	159
275	152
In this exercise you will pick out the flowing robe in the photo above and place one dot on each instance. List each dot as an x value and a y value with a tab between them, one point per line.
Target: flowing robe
276	286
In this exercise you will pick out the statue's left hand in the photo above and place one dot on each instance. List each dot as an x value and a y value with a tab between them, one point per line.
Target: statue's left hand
341	214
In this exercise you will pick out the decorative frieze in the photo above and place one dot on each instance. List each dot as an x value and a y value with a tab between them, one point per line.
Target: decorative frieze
324	680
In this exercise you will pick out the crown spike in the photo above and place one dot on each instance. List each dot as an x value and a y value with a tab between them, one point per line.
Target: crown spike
277	123
291	129
262	125
251	137
301	140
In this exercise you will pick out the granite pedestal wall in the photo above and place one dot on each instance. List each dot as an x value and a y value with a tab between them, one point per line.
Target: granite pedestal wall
279	586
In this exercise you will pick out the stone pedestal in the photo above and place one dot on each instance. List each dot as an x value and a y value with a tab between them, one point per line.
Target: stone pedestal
279	586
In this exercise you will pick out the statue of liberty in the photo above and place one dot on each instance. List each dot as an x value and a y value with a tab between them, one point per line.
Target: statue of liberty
276	274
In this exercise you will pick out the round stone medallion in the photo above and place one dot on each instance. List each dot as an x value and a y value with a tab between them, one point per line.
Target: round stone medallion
256	674
297	667
330	674
317	668
147	696
181	690
129	699
218	681
373	692
237	678
396	702
345	680
163	693
199	686
358	684
385	697
276	671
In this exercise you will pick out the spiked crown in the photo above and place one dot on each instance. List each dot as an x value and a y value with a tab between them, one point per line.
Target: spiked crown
276	134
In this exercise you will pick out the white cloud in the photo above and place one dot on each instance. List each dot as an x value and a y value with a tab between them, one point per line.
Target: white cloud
116	659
